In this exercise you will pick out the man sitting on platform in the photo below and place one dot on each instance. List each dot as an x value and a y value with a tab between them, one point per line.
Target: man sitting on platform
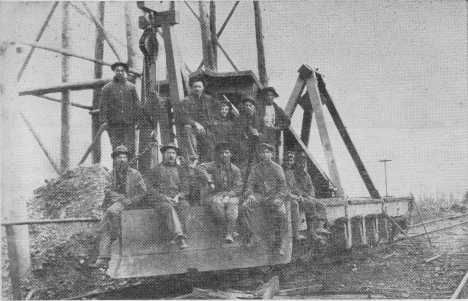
315	210
167	190
124	187
225	186
266	187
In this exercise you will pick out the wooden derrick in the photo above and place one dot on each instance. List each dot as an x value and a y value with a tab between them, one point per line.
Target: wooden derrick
65	130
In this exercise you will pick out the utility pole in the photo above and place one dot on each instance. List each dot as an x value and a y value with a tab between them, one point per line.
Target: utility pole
385	169
260	48
99	55
65	130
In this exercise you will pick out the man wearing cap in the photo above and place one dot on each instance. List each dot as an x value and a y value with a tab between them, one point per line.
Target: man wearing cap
315	210
225	187
266	187
196	114
120	108
167	190
294	196
124	188
247	132
274	118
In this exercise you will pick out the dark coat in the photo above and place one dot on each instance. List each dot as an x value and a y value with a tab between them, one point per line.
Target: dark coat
135	189
267	179
167	180
229	180
119	103
193	109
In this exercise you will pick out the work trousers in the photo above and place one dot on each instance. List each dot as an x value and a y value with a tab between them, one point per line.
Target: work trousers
295	215
224	209
110	229
194	145
314	209
122	135
174	216
276	212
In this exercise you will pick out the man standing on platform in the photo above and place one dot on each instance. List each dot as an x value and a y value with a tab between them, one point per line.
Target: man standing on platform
225	187
266	187
274	118
196	114
124	188
168	190
120	108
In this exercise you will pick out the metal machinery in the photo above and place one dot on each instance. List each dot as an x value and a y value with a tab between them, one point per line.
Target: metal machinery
144	248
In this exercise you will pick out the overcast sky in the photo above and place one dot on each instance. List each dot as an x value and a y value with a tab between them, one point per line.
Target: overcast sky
397	71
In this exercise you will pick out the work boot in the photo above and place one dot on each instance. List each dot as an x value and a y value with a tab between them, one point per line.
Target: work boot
101	263
229	239
252	240
319	229
181	242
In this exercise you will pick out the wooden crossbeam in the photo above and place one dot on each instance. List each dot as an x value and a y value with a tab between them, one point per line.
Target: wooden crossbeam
93	84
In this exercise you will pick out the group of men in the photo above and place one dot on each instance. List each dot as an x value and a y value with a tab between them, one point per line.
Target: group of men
209	140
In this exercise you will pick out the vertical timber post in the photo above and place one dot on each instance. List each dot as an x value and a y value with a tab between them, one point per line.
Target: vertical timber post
262	73
207	41
213	30
99	55
65	131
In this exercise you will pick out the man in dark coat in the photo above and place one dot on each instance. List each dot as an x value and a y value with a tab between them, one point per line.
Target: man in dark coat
195	114
225	182
274	118
247	133
120	108
266	187
124	188
168	190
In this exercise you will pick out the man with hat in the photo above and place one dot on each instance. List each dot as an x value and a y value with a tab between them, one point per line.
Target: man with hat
266	187
315	210
124	188
195	114
168	190
294	196
274	118
247	132
120	108
225	187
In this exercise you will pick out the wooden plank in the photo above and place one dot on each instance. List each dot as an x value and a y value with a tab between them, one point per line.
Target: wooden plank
73	104
206	35
347	140
305	290
460	287
262	73
76	86
99	55
316	103
362	229
213	30
306	126
294	97
66	106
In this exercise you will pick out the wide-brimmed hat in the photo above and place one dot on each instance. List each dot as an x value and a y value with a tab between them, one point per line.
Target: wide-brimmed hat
121	149
117	64
222	146
249	99
169	145
269	89
265	145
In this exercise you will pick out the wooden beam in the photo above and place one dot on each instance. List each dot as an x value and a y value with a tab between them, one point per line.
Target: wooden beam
220	32
104	32
67	52
306	126
65	112
214	38
294	98
347	139
93	84
74	104
213	30
14	268
316	103
206	34
96	141
38	37
41	145
99	55
262	73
